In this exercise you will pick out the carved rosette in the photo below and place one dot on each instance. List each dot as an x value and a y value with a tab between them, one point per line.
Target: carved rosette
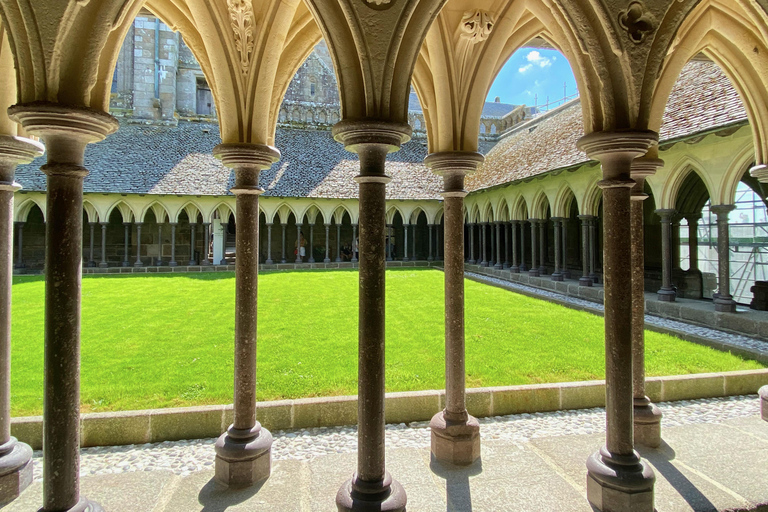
378	3
241	17
476	25
637	21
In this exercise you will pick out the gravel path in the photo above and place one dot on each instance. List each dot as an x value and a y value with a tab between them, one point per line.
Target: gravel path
185	457
725	338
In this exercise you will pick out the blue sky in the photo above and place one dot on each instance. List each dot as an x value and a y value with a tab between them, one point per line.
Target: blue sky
530	72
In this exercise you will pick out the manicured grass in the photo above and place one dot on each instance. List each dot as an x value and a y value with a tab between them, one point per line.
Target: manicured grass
167	340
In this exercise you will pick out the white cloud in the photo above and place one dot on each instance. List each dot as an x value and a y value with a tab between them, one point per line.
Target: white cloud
525	68
535	58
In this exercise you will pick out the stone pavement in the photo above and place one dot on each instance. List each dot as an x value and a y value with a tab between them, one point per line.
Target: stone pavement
715	457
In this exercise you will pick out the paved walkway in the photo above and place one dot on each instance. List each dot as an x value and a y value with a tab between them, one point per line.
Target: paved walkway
715	458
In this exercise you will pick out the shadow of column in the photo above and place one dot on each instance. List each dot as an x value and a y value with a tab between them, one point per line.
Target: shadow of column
457	489
215	497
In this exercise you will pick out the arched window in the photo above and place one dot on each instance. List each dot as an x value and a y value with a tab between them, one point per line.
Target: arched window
493	129
312	88
482	129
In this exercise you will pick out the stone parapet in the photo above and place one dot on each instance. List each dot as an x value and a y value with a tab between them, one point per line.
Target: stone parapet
157	425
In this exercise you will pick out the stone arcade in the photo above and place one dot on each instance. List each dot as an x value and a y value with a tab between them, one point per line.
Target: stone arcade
626	56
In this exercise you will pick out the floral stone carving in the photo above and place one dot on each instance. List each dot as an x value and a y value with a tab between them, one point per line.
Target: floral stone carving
241	17
636	21
476	25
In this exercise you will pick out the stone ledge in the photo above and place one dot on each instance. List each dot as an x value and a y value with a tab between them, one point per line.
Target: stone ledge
155	425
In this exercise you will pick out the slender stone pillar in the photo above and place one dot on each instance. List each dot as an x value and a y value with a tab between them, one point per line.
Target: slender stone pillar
472	259
127	226
159	245
491	245
224	233
389	241
515	268
414	241
269	243
675	242
244	451
617	478
439	239
103	263
192	231
646	416
523	267
455	434
667	292
354	244
298	243
283	225
557	275
564	266
91	226
204	260
173	261
499	261
405	242
724	301
66	132
542	243
138	262
693	241
338	242
534	272
327	244
429	257
593	249
585	280
483	244
506	228
311	243
19	245
371	487
15	457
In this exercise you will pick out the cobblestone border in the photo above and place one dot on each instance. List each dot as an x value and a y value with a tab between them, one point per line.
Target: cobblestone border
156	425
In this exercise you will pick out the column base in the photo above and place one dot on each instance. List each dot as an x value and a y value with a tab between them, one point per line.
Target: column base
666	295
191	263
624	485
594	278
534	272
299	260
763	392
433	259
585	281
483	263
173	264
405	259
724	305
223	261
498	266
268	262
103	265
19	266
566	274
327	260
542	271
84	505
360	496
456	443
506	265
311	260
125	264
15	469
514	269
91	264
243	457
647	420
205	263
138	264
557	276
354	260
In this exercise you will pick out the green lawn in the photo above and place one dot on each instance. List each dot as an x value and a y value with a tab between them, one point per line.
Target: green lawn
167	340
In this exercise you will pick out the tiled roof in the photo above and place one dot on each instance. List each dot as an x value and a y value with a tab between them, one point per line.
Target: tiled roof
702	99
490	109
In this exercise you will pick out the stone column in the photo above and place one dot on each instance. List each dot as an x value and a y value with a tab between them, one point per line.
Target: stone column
534	272
192	231
282	243
173	262
472	259
455	434
159	244
667	292
693	241
675	242
354	239
585	280
429	257
244	451
127	226
506	244
414	242
483	244
557	275
566	273
224	244
327	244
206	244
15	457
338	242
405	242
499	261
138	262
724	301
311	243
19	245
542	243
646	416
389	241
66	132
371	487
491	245
298	243
269	243
515	268
617	479
439	240
593	249
522	268
103	263
91	226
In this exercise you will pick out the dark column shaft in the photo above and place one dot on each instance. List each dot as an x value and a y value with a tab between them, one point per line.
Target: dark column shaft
173	245
127	226
103	244
455	399
20	243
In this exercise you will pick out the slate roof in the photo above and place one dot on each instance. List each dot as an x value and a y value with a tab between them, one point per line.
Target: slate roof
491	109
702	99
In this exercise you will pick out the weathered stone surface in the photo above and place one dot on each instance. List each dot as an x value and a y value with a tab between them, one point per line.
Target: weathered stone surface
185	423
678	387
533	398
114	428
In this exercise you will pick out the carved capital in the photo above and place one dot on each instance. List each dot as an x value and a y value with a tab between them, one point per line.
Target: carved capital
477	25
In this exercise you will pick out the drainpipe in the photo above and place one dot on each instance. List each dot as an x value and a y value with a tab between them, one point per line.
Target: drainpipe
157	58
